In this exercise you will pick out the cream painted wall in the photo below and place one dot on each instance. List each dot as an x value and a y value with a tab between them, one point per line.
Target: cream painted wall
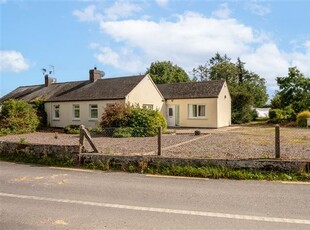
210	121
66	113
146	92
224	107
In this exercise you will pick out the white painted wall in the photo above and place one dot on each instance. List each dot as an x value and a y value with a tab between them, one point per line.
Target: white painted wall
224	107
66	113
210	120
146	92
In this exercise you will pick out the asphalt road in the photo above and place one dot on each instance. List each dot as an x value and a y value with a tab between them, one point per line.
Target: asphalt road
34	197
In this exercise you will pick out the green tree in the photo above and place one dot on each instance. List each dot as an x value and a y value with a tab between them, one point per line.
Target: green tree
163	72
294	91
247	88
18	117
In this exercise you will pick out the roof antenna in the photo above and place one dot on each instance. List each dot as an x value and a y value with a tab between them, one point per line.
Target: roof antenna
53	70
43	71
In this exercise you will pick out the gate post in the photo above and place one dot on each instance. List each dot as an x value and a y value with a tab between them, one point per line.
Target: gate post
159	141
277	141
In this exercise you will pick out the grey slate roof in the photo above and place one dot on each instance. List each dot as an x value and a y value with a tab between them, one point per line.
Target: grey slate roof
186	90
102	89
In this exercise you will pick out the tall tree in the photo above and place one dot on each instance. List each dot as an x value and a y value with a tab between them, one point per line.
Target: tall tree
294	91
163	72
247	88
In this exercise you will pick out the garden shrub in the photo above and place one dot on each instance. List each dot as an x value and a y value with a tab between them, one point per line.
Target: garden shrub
17	117
122	132
302	118
146	122
289	113
72	129
116	115
38	105
276	115
143	122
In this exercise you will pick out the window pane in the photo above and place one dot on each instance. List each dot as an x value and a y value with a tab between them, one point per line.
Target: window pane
56	111
76	113
93	111
170	112
194	110
202	110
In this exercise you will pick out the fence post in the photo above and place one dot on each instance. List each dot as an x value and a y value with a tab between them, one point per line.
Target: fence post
277	141
159	140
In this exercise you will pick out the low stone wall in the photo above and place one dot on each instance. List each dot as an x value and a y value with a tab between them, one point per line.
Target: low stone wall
124	162
57	152
65	152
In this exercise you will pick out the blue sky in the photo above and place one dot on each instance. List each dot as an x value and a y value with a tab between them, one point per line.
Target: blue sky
123	37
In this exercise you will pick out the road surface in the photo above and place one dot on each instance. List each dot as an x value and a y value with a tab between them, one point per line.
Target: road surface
38	197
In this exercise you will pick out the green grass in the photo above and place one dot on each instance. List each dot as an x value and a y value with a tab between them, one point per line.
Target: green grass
214	172
44	160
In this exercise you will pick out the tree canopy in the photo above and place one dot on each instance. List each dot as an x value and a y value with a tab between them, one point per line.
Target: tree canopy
247	88
294	91
163	72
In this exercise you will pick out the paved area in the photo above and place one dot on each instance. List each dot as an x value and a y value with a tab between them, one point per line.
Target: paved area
36	197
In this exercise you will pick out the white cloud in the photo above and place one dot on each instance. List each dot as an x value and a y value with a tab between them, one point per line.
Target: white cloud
191	38
302	60
121	9
222	12
12	61
267	61
258	8
162	3
88	14
124	59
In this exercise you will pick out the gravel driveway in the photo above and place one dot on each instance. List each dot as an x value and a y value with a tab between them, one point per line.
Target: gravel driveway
228	143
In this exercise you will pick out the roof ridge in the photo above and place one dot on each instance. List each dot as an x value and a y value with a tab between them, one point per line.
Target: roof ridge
193	82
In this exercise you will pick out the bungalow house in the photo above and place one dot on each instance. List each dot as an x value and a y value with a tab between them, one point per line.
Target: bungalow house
200	104
197	104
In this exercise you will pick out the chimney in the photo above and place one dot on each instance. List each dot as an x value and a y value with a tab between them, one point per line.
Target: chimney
95	74
49	80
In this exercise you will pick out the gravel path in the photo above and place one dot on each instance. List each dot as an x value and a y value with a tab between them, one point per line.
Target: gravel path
228	143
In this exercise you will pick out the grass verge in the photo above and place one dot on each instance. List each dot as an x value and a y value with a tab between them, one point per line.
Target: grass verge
213	172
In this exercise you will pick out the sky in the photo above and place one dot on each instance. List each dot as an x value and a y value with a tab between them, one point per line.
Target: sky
124	37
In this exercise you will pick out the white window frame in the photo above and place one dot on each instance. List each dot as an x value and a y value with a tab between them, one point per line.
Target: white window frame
148	106
93	107
195	112
56	112
75	108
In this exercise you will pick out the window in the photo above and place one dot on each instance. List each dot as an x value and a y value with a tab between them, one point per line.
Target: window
170	112
93	111
76	112
56	113
147	106
196	111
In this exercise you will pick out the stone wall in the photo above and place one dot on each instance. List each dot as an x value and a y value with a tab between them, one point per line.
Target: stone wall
57	152
123	162
65	152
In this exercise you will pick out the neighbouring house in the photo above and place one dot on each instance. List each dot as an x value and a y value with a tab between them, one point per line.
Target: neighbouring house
262	112
192	104
197	104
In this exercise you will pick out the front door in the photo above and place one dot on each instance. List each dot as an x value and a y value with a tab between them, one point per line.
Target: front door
171	115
